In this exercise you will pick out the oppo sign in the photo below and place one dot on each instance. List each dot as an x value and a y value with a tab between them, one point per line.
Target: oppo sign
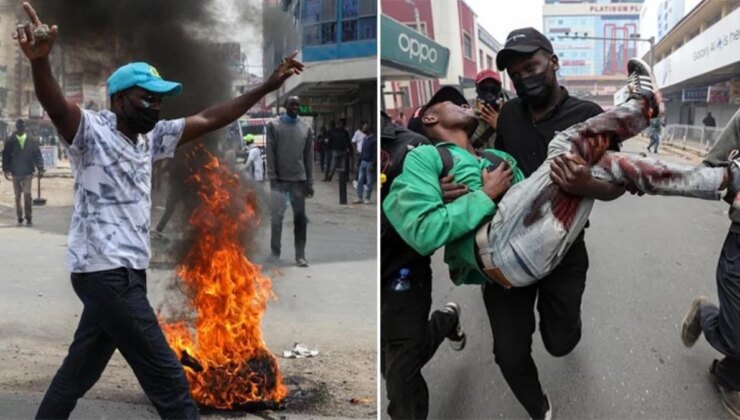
416	50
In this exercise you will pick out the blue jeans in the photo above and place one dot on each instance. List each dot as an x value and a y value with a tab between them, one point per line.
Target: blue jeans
366	180
720	324
117	315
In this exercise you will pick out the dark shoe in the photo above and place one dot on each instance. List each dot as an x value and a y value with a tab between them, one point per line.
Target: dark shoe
457	337
273	259
641	84
20	222
730	399
29	223
691	326
301	262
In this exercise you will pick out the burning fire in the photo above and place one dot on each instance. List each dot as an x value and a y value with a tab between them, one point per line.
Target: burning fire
228	362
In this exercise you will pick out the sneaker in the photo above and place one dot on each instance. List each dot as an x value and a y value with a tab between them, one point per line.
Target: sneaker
366	201
354	184
357	201
691	327
20	222
29	223
301	262
641	84
457	337
273	259
730	399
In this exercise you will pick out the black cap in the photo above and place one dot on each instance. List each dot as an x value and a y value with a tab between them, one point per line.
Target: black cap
444	94
522	41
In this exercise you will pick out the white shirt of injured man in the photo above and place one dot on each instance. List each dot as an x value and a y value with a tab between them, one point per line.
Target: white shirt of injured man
112	192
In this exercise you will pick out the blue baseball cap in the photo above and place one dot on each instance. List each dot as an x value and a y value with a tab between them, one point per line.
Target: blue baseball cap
143	75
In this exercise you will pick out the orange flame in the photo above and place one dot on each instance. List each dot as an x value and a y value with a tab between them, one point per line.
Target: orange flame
230	296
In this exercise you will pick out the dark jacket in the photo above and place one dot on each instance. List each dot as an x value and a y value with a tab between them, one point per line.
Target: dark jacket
369	149
22	161
339	140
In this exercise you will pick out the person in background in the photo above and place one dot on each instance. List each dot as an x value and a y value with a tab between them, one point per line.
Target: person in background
21	157
290	171
709	121
654	131
322	140
254	165
488	102
341	147
357	139
368	157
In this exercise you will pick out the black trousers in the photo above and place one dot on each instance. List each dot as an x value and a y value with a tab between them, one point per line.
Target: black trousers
117	315
296	195
408	341
721	325
511	314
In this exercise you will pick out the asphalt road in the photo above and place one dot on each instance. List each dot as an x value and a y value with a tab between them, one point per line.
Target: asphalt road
649	256
331	306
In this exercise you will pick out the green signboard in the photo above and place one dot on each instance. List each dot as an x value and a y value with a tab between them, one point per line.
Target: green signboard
405	49
304	109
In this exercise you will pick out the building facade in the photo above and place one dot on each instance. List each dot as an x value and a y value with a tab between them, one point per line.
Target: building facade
697	59
453	26
593	41
337	40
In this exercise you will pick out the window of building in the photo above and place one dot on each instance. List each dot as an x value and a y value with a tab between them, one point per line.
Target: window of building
405	97
319	19
489	62
480	58
467	46
358	20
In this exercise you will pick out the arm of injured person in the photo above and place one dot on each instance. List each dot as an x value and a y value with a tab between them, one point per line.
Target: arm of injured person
415	208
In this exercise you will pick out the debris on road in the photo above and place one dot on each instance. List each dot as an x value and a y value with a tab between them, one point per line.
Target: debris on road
356	400
300	351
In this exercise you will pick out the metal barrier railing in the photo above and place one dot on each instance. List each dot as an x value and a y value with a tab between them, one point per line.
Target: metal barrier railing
695	137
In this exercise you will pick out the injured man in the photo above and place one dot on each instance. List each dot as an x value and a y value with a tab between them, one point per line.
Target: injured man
516	237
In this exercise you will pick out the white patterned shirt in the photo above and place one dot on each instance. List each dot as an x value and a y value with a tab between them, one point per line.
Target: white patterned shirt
112	192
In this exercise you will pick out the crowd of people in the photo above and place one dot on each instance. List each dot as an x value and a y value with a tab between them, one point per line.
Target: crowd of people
506	187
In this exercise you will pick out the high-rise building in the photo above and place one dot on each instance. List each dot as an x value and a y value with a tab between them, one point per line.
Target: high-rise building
593	41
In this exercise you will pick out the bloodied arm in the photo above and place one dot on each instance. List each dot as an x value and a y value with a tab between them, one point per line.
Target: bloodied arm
35	39
220	115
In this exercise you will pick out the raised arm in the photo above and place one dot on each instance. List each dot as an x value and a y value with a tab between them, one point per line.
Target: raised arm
218	116
35	40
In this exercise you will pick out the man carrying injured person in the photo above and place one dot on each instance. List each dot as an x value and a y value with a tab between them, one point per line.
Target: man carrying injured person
518	239
111	153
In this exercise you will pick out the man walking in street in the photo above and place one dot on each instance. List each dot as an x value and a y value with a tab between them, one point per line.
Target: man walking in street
357	139
21	155
409	336
112	152
366	171
721	324
254	165
290	171
525	127
654	130
340	146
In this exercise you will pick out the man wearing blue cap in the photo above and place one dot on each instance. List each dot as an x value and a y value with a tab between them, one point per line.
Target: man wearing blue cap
111	153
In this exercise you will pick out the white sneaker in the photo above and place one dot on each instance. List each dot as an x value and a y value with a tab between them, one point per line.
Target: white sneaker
548	413
354	184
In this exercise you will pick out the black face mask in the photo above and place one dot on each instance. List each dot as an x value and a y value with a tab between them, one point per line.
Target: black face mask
139	119
534	89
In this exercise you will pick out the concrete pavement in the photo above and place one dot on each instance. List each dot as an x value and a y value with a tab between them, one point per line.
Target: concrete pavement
649	256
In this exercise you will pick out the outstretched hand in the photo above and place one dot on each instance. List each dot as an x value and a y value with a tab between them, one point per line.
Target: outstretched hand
35	38
287	68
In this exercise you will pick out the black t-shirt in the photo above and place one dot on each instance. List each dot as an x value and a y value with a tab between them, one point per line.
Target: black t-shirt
339	140
526	140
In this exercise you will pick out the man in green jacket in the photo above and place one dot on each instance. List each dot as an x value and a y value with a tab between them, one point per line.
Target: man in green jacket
534	224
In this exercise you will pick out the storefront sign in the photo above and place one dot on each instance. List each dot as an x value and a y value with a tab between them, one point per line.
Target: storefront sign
717	47
581	9
406	49
719	94
694	95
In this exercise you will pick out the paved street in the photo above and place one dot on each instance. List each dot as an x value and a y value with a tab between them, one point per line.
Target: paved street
649	257
330	306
